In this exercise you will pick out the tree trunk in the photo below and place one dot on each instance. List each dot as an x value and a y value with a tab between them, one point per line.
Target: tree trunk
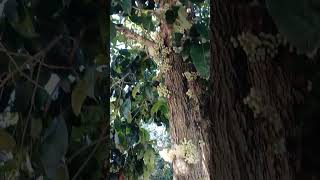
237	144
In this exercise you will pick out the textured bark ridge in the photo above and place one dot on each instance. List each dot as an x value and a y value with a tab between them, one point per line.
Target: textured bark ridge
243	146
237	145
185	118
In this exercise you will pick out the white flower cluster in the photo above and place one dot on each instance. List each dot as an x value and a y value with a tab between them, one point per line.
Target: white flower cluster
167	155
181	167
161	55
186	151
179	28
259	47
191	76
8	119
254	101
181	23
259	107
190	94
5	156
163	91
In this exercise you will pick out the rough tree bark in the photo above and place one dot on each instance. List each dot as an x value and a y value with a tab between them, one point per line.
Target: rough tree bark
237	144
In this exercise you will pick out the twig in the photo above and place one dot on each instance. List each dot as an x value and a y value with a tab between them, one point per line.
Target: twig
19	70
90	155
84	148
32	104
41	53
50	66
120	80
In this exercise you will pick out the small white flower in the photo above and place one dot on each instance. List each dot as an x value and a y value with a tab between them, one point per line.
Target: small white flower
71	78
167	155
52	83
81	68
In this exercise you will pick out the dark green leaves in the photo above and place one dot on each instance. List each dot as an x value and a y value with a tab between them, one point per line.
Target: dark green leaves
9	9
203	30
36	128
126	110
298	21
147	23
52	29
79	94
126	6
148	159
7	142
84	88
24	26
160	105
54	146
171	16
145	20
23	95
200	55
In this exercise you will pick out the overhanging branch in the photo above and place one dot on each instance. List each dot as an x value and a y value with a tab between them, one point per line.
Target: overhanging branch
151	45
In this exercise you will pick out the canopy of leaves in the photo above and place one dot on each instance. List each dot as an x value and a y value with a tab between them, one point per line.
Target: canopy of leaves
53	98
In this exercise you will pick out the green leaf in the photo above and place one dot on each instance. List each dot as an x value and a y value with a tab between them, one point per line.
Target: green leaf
62	172
144	136
54	145
200	54
25	27
126	109
139	150
24	92
77	133
90	77
186	50
9	165
36	128
135	90
59	173
177	39
203	30
148	159
156	106
126	6
7	142
147	23
171	16
78	96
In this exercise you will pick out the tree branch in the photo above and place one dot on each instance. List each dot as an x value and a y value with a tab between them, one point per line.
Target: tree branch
151	46
132	35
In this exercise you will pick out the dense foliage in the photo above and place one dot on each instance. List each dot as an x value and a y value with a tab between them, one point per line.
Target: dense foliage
53	89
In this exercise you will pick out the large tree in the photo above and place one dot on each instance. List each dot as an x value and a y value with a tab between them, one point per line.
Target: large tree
251	117
250	109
